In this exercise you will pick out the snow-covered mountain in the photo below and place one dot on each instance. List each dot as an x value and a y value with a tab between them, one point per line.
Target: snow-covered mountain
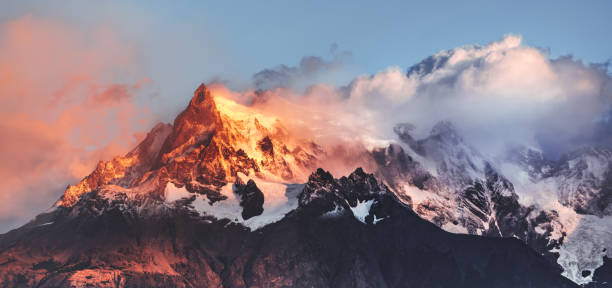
228	197
559	208
578	187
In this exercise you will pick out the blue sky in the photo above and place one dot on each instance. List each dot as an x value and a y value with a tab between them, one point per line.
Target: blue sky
182	43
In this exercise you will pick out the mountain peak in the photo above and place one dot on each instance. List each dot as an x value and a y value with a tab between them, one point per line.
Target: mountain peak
199	120
201	95
211	141
202	101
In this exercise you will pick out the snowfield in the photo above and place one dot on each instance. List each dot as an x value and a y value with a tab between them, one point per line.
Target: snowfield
279	199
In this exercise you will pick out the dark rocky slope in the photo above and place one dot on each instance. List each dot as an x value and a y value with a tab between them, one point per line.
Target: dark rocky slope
328	241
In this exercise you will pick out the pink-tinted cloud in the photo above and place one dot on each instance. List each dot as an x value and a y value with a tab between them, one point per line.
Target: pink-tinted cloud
67	100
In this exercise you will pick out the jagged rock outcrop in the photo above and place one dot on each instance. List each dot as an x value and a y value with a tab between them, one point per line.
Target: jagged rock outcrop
251	198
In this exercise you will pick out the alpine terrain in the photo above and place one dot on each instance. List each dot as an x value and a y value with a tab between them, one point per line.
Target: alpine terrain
229	197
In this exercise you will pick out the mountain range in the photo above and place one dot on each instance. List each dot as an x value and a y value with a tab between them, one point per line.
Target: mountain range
227	196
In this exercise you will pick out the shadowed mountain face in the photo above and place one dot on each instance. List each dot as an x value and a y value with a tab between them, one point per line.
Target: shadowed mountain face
226	197
347	232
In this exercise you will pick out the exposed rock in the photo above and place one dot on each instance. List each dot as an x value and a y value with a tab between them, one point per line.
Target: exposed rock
251	198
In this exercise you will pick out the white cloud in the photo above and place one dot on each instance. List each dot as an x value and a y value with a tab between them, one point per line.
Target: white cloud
500	94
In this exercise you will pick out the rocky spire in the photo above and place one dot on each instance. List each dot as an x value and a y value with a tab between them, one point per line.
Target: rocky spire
198	121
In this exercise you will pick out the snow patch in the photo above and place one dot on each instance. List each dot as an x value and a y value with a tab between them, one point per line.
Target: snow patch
333	213
174	193
544	195
584	248
419	196
454	228
279	199
376	220
362	210
540	230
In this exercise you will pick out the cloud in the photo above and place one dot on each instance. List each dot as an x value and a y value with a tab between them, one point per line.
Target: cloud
507	93
498	95
61	110
308	71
